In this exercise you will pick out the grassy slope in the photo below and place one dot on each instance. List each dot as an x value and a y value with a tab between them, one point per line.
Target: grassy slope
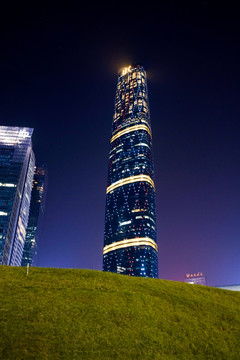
83	314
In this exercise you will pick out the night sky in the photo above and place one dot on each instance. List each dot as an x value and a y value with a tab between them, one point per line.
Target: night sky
59	68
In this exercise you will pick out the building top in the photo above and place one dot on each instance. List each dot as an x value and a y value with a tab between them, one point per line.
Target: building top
13	135
196	278
15	140
125	70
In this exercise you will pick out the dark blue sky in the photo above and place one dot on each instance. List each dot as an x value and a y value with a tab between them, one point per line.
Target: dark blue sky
59	70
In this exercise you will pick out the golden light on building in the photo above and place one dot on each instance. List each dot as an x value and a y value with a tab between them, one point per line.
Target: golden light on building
129	180
144	241
130	129
126	70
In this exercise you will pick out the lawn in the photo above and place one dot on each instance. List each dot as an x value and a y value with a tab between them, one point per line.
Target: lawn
86	314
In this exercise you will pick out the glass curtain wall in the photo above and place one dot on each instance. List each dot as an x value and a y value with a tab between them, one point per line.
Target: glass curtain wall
16	173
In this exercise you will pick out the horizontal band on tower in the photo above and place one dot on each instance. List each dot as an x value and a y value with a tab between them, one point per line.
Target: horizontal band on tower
129	180
130	129
144	241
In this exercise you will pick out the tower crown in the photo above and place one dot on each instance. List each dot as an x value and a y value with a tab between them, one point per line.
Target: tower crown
127	69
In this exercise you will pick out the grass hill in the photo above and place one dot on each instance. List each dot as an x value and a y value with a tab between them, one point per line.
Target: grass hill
84	314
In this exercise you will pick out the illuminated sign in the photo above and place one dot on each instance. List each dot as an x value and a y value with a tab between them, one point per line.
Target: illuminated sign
126	70
23	133
194	275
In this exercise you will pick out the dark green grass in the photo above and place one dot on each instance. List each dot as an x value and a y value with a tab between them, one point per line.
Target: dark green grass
83	314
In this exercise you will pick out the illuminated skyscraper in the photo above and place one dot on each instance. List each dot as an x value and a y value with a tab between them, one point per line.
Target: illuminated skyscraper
16	174
38	196
130	245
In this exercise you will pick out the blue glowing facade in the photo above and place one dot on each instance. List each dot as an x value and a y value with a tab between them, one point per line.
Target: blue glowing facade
16	174
130	245
38	196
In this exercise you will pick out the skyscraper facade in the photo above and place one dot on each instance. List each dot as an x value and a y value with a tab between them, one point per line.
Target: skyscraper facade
16	174
38	197
130	245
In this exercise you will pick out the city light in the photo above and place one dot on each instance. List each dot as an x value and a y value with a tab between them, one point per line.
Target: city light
129	243
129	180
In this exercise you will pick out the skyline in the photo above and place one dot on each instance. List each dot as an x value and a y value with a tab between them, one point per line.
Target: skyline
62	83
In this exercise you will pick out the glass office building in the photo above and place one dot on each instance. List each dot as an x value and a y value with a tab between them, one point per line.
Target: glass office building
38	196
16	174
130	245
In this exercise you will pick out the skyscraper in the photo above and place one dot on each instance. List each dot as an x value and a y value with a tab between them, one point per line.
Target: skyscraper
36	209
16	174
130	245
